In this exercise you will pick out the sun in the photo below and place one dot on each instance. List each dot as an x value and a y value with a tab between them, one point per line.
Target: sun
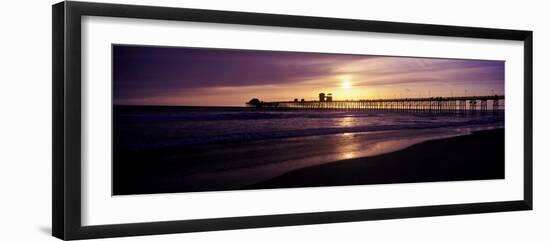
346	84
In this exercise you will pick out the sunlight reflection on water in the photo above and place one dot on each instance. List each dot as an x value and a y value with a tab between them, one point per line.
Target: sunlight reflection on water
329	148
347	121
323	149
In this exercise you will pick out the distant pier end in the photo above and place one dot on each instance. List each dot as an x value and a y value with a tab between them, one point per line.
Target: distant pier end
428	104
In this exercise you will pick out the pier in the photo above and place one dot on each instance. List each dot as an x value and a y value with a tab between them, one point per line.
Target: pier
464	104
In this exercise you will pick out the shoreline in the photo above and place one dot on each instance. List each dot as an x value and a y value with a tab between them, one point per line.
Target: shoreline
477	156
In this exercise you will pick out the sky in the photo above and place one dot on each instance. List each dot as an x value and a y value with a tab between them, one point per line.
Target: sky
147	75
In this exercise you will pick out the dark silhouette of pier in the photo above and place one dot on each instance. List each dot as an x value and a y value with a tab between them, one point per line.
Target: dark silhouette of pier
429	104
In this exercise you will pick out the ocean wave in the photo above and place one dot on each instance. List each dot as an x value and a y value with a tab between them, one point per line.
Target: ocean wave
174	142
151	128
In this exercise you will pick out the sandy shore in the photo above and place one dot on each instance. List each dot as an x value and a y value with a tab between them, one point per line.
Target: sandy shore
329	160
470	157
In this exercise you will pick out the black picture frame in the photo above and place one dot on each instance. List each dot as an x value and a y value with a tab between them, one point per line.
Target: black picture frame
66	47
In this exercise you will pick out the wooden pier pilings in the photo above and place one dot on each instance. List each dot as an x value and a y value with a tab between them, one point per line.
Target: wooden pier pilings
432	104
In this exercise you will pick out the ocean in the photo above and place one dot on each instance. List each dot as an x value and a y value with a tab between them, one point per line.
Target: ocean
228	148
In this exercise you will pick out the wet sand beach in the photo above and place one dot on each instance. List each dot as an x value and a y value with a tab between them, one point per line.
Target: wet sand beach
470	157
326	160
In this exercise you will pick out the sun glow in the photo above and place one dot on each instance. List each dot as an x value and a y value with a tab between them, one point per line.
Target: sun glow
346	82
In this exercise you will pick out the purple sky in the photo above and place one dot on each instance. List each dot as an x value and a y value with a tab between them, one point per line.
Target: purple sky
144	75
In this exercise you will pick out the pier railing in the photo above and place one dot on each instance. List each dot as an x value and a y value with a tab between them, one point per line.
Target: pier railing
431	104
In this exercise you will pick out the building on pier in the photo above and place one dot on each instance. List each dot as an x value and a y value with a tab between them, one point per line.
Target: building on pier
321	97
329	97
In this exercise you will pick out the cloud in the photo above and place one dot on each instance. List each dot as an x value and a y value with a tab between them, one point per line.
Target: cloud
157	73
403	70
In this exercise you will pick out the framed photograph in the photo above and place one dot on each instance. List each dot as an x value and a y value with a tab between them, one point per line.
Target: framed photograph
169	120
